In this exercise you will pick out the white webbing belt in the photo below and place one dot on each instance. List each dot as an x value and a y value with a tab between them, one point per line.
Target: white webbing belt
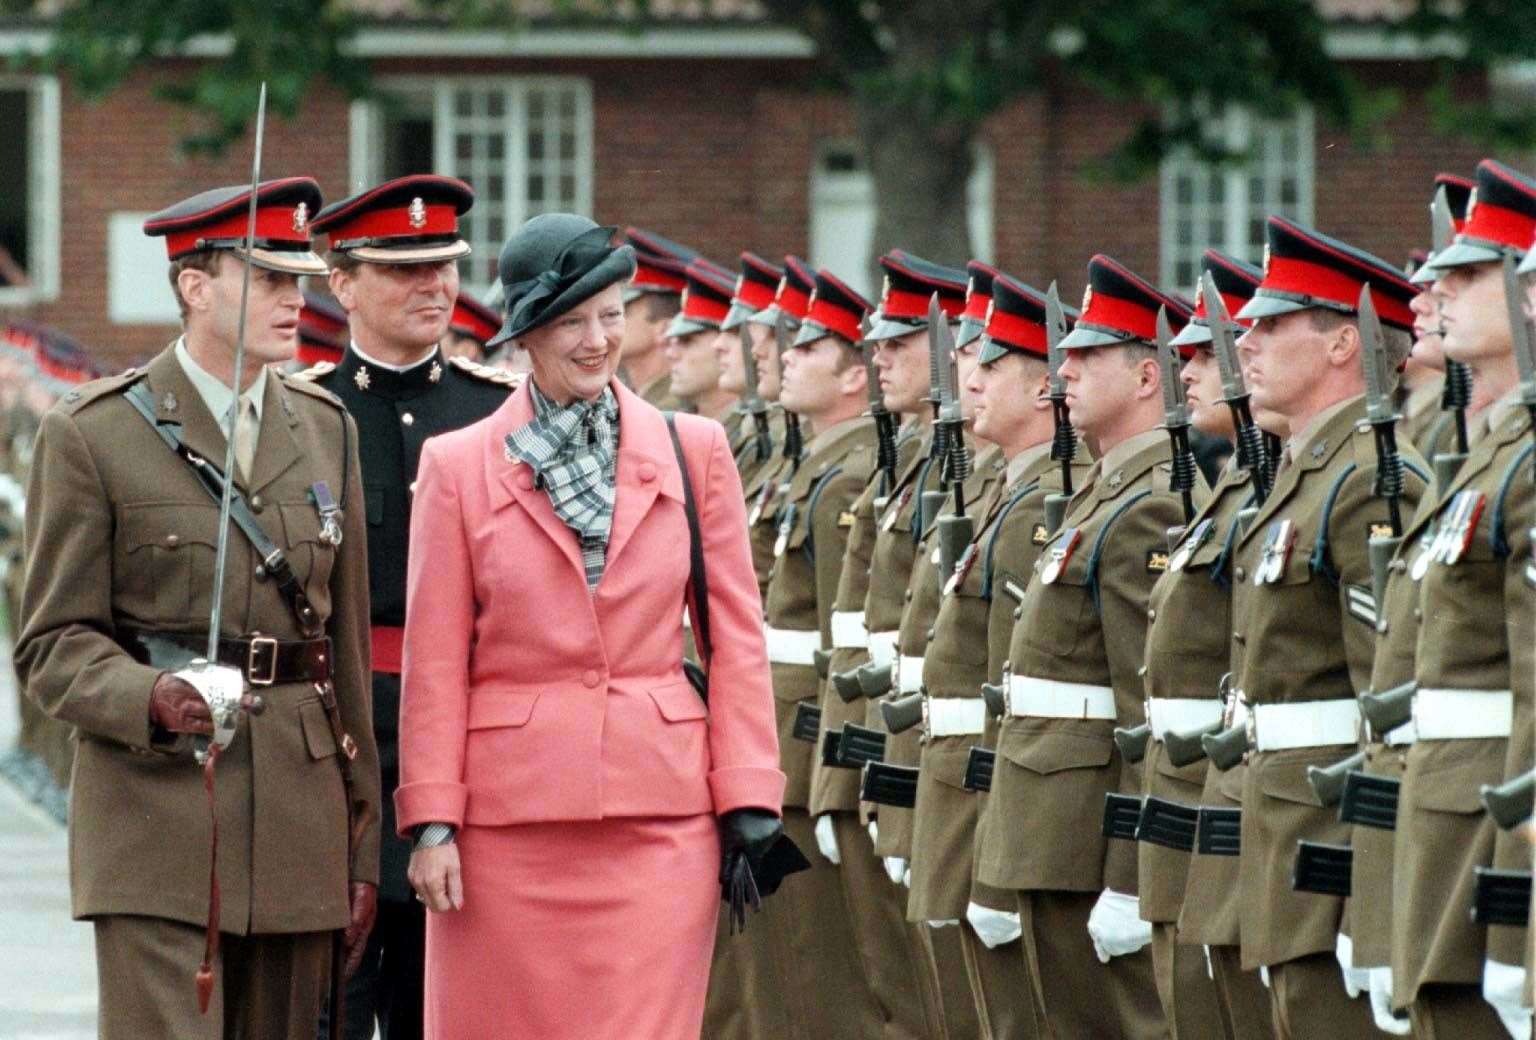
1278	727
1049	699
1463	714
848	631
956	717
1181	714
786	646
882	648
909	674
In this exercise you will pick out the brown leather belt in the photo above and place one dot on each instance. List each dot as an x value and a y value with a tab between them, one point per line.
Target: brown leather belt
263	660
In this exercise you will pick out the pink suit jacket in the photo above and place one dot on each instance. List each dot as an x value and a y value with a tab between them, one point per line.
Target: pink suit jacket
524	697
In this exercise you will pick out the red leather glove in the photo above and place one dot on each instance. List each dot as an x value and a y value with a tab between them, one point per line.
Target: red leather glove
365	907
176	707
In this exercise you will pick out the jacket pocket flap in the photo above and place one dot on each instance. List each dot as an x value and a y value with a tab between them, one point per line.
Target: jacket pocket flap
1288	782
317	731
1456	787
948	767
502	709
301	524
678	701
1046	753
1193	774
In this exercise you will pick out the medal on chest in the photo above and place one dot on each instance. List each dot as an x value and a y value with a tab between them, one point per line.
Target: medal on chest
330	513
962	568
1198	537
1059	553
1276	554
786	525
1465	511
895	510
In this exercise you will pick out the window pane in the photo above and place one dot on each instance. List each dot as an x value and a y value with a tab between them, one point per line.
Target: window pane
535	145
15	200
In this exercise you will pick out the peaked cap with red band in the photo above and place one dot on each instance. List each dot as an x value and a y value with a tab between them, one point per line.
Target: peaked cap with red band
1016	321
756	287
706	300
1306	269
792	298
910	282
474	319
835	310
323	330
1500	218
1236	280
978	299
1458	192
409	220
1120	306
661	265
219	219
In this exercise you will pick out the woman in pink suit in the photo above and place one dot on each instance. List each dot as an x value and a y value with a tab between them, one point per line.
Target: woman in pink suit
570	794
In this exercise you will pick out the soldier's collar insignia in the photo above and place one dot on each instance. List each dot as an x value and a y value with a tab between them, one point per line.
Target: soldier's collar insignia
361	378
1114	480
435	373
301	216
1319	450
168	402
1157	561
416	213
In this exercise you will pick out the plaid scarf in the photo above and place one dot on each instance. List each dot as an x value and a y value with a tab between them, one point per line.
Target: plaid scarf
572	450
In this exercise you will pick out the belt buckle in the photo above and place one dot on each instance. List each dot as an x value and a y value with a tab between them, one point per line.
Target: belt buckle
1251	724
254	673
926	736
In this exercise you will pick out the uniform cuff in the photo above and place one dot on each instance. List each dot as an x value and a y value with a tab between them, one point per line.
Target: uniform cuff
1003	899
746	787
429	801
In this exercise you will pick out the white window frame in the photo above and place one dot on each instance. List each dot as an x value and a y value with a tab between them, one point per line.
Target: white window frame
365	156
1237	128
44	174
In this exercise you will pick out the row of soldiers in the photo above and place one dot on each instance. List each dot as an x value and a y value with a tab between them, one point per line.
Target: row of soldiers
1089	747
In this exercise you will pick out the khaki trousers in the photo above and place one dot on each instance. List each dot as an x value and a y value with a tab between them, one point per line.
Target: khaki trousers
1448	1011
1308	999
1080	996
1187	993
1000	988
746	986
946	964
265	987
1246	1012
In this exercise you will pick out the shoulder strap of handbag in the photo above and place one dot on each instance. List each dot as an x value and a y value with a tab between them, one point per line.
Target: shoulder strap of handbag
272	559
698	580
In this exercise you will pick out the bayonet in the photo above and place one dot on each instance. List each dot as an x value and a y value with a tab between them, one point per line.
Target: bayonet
793	442
1064	443
1382	416
1457	394
887	458
955	530
1176	415
754	399
930	503
1250	440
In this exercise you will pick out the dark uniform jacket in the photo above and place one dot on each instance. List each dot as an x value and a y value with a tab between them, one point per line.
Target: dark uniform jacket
1087	627
121	535
395	413
1306	637
809	559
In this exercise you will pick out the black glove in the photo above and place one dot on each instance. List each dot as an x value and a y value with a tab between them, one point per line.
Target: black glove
749	831
756	855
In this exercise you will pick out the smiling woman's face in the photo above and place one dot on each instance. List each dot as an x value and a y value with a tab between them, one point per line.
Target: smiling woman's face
576	355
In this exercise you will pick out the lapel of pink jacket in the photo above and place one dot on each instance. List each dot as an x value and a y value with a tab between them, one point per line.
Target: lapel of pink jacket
645	469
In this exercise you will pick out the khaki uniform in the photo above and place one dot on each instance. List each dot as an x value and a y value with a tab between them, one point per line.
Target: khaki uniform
658	392
1442	832
887	945
1305	638
122	535
1424	424
828	994
747	462
1081	638
1188	646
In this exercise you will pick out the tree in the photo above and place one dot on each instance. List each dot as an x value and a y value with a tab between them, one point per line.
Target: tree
923	75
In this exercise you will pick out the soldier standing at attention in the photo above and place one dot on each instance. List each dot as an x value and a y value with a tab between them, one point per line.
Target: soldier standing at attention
651	300
756	287
472	326
1303	613
394	269
1189	627
121	543
1460	556
690	348
823	383
1074	663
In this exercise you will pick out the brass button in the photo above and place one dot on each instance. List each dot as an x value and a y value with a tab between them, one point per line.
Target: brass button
1239	573
1418	615
1381	626
261	572
172	539
1151	613
408	419
257	505
1018	612
908	595
931	634
413	487
1238	637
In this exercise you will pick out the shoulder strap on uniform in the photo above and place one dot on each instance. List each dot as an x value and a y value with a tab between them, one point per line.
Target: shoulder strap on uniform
1497	537
97	389
486	373
212	479
997	526
315	371
1098	544
810	510
1321	561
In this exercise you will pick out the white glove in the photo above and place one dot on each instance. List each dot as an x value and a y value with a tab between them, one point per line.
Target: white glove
1503	987
1381	1003
896	868
1264	975
826	840
906	877
1356	980
936	925
993	927
874	833
1116	927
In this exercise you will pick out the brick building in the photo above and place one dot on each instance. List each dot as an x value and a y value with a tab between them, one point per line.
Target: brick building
616	122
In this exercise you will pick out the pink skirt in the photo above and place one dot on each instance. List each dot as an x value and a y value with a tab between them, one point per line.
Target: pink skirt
597	930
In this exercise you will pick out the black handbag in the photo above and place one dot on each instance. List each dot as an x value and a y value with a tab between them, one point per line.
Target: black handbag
743	882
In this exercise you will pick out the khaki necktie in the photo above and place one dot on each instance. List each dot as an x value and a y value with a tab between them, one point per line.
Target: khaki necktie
246	429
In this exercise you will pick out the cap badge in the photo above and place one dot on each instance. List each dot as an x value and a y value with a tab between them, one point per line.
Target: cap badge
416	213
301	216
1266	259
362	378
1087	297
1471	205
991	306
885	287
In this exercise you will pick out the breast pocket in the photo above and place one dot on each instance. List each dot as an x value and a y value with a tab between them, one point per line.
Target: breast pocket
310	557
166	553
1059	617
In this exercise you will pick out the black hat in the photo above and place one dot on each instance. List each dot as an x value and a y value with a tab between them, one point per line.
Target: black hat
835	310
1119	306
978	299
1016	321
220	218
910	282
793	296
409	220
552	263
1500	218
1305	269
706	300
661	265
1235	281
756	287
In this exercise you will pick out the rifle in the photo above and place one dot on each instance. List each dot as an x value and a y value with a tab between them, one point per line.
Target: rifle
794	444
1176	416
1457	394
956	529
886	456
754	400
1251	446
1383	419
929	503
1064	443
